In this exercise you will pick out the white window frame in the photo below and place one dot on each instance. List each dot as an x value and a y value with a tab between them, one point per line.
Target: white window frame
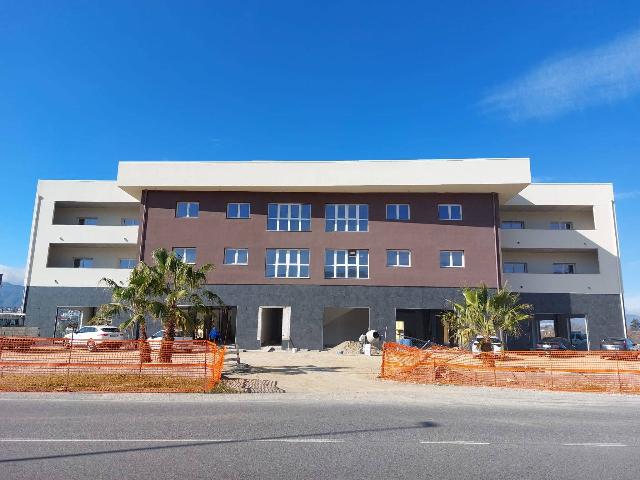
451	252
300	218
561	224
521	222
79	260
515	263
397	255
126	259
286	262
346	265
396	207
235	256
188	204
238	204
573	267
184	254
449	205
346	218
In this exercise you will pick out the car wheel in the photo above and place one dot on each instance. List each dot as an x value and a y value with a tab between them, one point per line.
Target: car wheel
91	345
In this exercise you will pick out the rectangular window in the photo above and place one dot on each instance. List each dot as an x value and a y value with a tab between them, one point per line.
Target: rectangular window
398	258
186	254
87	221
512	225
187	210
564	268
346	218
514	267
561	226
238	210
236	256
346	264
398	211
289	217
451	259
127	263
82	262
287	263
129	222
450	211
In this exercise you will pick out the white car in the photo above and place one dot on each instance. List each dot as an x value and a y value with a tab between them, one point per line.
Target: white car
94	336
156	339
496	345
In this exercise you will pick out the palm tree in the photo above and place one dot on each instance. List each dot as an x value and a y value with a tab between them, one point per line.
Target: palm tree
135	300
483	314
180	285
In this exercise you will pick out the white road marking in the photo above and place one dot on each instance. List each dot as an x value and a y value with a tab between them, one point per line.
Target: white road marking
301	440
594	445
455	442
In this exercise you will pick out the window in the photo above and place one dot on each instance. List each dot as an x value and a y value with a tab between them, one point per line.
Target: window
128	262
287	263
87	221
347	218
451	259
398	258
82	262
398	211
187	210
289	217
129	222
236	256
346	264
564	268
561	226
514	267
450	212
238	210
512	225
186	254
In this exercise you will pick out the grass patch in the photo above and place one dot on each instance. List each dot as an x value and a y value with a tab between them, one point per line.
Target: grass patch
100	383
223	387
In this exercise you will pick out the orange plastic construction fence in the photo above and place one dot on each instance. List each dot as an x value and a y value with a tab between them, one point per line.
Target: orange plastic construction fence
50	364
595	371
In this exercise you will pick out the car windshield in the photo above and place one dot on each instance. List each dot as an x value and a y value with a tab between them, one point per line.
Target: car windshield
614	341
110	329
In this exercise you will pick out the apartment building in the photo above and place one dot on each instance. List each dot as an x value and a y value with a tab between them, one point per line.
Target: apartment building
309	254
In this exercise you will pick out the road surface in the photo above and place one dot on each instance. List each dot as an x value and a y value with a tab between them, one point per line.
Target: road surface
434	432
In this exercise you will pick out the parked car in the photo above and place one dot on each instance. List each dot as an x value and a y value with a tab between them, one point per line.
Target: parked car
496	345
617	344
554	344
95	336
156	339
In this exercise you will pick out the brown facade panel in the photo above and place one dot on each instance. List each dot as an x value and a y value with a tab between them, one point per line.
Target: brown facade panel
424	235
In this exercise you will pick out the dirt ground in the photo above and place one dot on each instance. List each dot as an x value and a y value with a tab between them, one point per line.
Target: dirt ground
313	372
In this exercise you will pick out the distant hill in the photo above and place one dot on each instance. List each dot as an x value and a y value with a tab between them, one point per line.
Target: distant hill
11	295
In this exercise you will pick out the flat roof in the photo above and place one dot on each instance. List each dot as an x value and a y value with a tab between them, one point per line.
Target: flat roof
505	176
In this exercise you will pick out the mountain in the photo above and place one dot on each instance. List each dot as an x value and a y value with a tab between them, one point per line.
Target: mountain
11	295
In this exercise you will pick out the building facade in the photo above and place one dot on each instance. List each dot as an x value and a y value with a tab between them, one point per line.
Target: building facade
309	254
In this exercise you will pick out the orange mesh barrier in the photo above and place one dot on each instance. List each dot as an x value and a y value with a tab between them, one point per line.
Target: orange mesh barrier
595	371
48	364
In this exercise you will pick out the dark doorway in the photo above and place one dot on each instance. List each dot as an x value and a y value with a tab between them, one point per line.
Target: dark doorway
342	324
270	326
421	325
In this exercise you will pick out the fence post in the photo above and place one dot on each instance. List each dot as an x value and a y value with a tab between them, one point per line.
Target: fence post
206	351
66	386
384	353
618	372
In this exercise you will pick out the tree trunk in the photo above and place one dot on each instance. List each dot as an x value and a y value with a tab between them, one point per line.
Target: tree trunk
166	346
145	350
486	355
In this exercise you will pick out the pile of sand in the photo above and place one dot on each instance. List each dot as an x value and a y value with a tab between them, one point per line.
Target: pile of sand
347	348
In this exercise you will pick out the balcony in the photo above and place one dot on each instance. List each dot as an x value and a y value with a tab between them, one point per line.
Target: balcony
549	239
81	277
93	235
558	283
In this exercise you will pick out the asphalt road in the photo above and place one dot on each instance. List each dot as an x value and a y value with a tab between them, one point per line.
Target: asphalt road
436	432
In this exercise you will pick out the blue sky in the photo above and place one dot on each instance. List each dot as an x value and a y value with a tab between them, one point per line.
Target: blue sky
85	84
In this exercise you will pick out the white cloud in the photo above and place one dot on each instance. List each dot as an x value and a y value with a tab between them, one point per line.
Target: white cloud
628	195
632	304
12	274
575	81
